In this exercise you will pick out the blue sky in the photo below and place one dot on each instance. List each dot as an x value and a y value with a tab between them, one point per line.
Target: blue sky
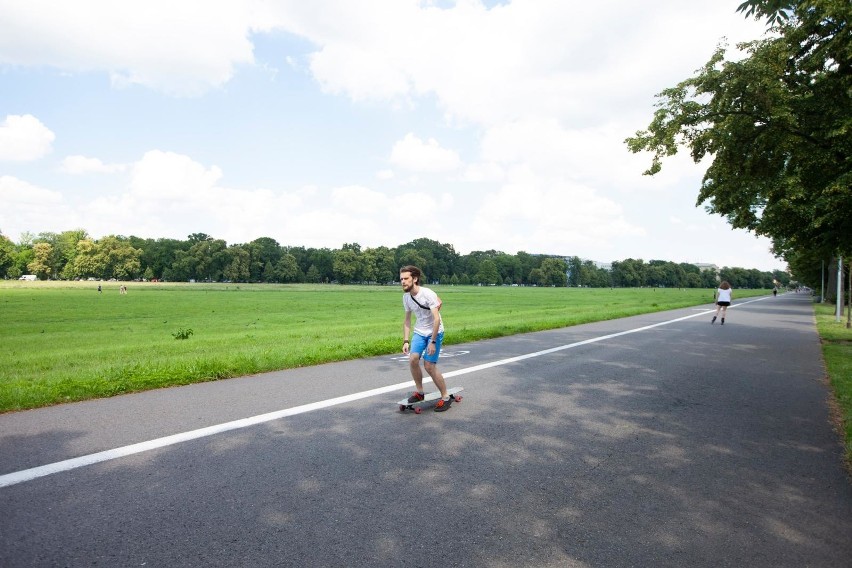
486	125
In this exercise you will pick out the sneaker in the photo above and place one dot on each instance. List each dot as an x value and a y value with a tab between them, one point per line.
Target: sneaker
443	405
723	321
416	397
712	321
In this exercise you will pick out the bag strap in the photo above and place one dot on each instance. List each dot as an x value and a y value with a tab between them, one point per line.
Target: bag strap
422	307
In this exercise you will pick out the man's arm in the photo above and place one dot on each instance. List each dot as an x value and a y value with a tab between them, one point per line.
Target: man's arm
406	331
436	319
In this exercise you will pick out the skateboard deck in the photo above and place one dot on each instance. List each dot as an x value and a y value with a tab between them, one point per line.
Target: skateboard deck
431	398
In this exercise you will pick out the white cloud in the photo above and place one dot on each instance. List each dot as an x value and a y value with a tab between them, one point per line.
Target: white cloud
358	200
24	138
413	154
484	172
15	192
181	48
78	165
27	207
547	215
172	177
524	59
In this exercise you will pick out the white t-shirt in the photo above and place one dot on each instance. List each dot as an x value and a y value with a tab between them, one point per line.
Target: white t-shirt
424	320
724	295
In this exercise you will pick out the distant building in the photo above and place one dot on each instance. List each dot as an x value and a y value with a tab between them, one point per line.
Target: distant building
702	266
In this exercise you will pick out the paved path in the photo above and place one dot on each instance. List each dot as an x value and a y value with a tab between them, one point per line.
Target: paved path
657	440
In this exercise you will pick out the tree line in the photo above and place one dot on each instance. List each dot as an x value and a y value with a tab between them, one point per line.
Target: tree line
74	255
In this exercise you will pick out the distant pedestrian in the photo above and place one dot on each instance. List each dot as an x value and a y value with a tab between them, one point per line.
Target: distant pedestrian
775	291
99	289
723	299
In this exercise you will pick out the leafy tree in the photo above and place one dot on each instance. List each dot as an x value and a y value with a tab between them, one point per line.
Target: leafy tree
24	257
158	255
237	265
84	264
382	264
777	125
709	279
313	275
205	260
528	262
301	256
691	275
509	267
116	258
323	261
776	11
264	252
268	274
554	271
628	273
537	277
7	254
347	266
63	248
287	269
436	259
488	273
594	276
575	271
411	257
40	264
52	260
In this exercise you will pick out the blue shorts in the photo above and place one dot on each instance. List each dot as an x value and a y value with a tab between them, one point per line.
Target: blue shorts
419	344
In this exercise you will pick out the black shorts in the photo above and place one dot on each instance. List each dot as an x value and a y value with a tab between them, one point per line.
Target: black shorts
726	304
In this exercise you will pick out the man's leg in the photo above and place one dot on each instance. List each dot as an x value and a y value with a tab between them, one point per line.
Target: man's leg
437	378
416	372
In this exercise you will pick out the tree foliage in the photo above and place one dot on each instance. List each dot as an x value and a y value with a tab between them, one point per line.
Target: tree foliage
203	258
777	125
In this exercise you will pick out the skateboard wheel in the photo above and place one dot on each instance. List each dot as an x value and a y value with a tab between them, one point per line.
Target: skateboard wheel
458	398
402	408
418	410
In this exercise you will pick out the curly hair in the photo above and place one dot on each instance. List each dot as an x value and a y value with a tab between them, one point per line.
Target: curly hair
414	271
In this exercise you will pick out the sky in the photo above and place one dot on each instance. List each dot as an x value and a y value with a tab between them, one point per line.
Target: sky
480	124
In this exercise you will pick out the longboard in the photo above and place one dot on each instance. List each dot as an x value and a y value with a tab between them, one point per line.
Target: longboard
417	407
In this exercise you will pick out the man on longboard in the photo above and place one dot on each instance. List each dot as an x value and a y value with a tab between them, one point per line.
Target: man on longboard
428	334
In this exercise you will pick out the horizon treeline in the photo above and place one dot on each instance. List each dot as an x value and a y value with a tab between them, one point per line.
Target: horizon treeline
74	255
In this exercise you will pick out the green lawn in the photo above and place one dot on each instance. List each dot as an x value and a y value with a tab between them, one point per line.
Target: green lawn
64	341
837	351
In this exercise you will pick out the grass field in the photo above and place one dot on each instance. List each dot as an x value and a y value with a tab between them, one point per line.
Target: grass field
64	341
837	351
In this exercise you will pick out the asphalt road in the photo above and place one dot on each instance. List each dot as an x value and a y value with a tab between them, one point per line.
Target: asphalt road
657	440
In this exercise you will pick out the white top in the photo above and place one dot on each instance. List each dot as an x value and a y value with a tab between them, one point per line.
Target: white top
428	299
724	295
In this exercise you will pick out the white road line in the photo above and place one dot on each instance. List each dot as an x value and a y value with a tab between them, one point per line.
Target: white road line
73	463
